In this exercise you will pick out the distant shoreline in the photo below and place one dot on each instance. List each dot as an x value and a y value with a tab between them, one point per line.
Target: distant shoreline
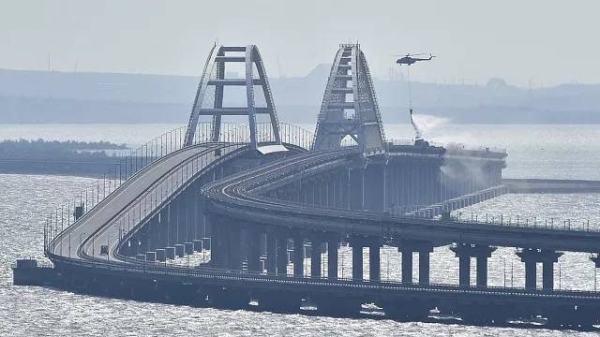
86	98
59	157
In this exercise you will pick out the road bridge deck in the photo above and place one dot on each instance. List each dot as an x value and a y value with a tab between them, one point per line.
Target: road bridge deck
99	226
234	197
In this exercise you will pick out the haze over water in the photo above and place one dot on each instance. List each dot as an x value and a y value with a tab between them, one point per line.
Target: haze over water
546	151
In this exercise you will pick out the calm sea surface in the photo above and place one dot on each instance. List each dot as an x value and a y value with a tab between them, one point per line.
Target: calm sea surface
547	151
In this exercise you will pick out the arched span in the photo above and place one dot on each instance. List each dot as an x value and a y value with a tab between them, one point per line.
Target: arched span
214	75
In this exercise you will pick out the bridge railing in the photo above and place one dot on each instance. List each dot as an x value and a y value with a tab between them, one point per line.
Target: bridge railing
170	185
129	164
449	146
132	162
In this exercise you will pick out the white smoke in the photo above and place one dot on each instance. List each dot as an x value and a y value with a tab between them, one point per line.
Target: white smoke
428	126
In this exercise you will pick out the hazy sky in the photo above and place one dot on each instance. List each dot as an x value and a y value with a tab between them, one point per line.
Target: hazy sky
533	41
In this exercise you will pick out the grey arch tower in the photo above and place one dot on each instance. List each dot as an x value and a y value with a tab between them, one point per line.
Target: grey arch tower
349	106
213	81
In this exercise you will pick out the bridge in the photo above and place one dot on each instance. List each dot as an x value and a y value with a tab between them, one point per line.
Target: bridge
266	198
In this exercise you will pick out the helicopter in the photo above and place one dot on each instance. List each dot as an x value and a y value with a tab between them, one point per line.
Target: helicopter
409	59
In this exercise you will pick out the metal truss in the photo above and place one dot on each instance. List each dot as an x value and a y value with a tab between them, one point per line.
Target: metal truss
214	76
349	106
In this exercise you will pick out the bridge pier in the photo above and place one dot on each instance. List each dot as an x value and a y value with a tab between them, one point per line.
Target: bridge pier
332	257
271	253
235	251
357	243
424	263
315	256
464	252
357	258
407	248
407	264
219	249
356	188
253	240
282	242
374	187
531	256
375	262
298	255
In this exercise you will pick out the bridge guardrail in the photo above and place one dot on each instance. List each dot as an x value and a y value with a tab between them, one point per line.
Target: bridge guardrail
130	164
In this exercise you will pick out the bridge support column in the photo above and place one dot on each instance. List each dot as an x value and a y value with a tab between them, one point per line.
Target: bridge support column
531	256
358	243
357	261
375	262
315	257
298	257
407	264
424	265
356	188
464	270
530	275
271	253
219	249
253	237
464	252
548	275
407	248
235	252
332	257
282	242
374	187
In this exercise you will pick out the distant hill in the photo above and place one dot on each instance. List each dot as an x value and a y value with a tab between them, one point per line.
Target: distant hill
57	97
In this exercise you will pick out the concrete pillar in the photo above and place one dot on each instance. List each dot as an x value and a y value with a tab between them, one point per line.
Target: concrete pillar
356	188
407	265
482	271
180	250
374	262
531	256
282	254
357	261
548	275
298	257
189	248
464	252
374	187
315	257
219	243
332	258
530	275
424	266
235	251
170	253
271	253
253	238
464	270
160	255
